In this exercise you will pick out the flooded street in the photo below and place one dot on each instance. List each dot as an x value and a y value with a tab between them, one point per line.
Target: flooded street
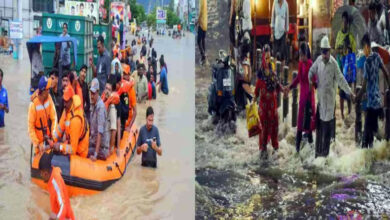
232	181
164	193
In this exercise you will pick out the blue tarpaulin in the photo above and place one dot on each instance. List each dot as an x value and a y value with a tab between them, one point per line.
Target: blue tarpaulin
34	42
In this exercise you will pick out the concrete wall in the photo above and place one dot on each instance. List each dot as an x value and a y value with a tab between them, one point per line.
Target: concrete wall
9	10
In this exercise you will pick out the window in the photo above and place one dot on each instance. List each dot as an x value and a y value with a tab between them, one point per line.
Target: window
43	6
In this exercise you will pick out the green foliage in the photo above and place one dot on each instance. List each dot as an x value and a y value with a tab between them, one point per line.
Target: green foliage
151	19
172	18
137	11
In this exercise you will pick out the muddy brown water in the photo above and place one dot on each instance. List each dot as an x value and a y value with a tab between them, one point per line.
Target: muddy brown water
164	193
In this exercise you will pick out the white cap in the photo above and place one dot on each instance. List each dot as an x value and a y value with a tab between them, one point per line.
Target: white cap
373	44
325	43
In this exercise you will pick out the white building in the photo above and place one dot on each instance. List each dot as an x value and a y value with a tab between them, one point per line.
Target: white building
31	12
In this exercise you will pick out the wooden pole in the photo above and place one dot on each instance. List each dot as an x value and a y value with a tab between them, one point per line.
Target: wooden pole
387	109
285	99
278	73
294	103
358	120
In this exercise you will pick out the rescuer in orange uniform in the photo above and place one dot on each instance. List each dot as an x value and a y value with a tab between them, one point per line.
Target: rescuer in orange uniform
127	86
42	116
75	126
59	199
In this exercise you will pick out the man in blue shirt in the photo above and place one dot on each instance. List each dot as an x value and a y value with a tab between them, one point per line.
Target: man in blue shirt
3	100
103	68
65	49
163	78
371	83
148	142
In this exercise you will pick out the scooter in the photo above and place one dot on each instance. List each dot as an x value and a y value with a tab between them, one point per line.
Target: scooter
221	104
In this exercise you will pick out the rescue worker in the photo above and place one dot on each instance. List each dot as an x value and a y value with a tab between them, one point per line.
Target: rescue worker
42	117
73	123
132	98
73	79
59	198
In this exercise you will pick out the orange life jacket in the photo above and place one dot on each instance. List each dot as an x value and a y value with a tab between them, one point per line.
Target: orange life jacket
42	119
59	198
76	129
128	87
113	99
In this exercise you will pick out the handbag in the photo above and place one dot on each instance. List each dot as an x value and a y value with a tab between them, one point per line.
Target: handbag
252	119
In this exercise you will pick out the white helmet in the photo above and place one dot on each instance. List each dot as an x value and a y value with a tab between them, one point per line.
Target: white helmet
325	43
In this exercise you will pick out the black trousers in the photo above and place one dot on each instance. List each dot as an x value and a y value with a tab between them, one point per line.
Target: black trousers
371	126
280	47
324	133
201	42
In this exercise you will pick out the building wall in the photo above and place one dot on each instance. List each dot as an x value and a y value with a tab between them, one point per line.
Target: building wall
9	10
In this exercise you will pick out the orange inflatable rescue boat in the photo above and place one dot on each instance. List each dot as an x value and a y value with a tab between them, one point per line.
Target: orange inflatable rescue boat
82	176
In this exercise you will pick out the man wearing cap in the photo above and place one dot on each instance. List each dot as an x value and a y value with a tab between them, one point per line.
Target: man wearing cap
42	117
103	67
142	85
99	141
329	76
73	125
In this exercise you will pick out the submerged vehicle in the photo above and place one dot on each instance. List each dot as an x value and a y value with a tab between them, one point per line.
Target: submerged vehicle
221	104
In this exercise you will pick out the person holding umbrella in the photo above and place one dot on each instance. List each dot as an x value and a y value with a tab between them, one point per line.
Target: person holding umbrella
306	113
329	76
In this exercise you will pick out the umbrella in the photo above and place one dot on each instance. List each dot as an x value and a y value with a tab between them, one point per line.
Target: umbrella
383	53
357	27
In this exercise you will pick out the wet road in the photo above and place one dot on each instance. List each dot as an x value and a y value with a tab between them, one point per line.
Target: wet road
232	182
164	193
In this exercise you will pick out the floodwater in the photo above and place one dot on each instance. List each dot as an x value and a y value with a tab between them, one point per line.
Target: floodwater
164	193
232	181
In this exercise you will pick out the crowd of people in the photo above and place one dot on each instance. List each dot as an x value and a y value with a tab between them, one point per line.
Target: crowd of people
69	116
332	71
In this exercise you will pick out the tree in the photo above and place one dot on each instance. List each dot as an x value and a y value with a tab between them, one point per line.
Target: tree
137	11
151	19
172	18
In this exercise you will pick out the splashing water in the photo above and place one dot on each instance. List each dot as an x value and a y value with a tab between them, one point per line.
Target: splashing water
231	180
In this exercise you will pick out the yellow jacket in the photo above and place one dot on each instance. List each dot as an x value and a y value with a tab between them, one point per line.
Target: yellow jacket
203	14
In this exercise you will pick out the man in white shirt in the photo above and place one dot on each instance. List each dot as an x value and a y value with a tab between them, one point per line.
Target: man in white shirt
279	28
326	72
